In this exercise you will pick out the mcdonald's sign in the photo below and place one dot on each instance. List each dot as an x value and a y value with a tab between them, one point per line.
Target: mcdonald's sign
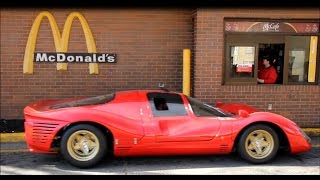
61	45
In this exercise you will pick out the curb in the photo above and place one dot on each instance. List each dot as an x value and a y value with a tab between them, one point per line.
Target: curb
12	137
20	137
314	132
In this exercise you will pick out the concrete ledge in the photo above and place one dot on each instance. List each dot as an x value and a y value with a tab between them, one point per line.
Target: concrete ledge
19	137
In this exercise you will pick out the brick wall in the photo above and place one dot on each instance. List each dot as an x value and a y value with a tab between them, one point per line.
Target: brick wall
298	102
148	44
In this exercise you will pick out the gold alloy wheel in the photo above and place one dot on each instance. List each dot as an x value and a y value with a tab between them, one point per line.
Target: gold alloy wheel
259	144
83	145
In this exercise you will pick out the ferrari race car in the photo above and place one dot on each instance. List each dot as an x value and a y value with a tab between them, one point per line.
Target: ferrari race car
156	123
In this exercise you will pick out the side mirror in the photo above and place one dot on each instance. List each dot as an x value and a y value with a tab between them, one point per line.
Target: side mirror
243	113
219	103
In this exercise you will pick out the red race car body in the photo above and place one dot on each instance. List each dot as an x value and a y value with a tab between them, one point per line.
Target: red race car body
156	122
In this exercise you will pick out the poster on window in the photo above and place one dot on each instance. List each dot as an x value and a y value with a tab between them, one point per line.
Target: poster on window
243	55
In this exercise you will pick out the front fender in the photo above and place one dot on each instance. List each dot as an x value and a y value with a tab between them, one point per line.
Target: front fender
235	107
298	142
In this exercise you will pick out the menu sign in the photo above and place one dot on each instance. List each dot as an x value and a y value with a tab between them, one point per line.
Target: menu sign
284	27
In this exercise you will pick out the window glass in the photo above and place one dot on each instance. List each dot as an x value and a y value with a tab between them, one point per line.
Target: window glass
166	104
298	61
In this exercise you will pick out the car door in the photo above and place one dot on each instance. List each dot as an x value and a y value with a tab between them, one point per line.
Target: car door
172	120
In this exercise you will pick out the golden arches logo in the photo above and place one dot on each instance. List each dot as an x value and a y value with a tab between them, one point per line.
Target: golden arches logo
61	41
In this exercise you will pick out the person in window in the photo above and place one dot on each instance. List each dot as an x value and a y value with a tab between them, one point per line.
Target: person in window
268	75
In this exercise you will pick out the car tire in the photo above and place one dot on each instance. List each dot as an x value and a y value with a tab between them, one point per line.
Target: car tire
83	145
258	144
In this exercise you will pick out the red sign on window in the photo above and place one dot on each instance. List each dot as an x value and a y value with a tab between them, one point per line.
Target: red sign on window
244	68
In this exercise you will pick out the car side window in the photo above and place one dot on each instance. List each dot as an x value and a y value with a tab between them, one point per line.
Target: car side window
165	104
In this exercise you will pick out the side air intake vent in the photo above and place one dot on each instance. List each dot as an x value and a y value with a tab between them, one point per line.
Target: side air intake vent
41	132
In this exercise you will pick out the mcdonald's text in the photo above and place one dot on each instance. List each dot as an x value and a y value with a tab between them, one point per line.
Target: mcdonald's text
75	57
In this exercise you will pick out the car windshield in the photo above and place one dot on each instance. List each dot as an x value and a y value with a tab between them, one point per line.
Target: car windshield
200	108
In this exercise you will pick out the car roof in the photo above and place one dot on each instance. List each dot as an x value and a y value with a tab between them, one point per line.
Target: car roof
135	95
132	92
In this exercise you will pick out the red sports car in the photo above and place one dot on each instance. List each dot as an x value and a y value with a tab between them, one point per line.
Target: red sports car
156	122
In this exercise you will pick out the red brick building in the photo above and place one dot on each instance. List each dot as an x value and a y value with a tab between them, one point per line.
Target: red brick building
149	44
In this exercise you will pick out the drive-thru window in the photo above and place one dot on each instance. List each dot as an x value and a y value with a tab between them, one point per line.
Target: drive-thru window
291	44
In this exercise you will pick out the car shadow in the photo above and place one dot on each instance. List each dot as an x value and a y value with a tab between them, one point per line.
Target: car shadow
149	165
28	163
